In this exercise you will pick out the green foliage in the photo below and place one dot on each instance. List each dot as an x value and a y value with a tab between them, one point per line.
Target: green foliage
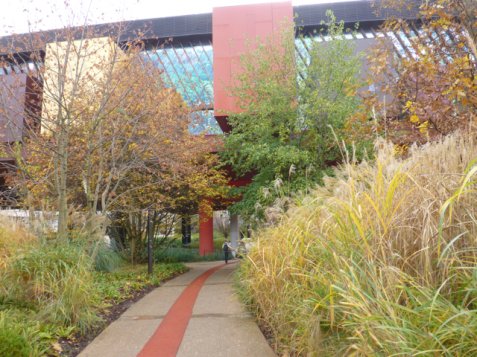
21	332
180	254
13	344
287	126
124	282
328	91
173	251
57	279
106	259
377	262
49	291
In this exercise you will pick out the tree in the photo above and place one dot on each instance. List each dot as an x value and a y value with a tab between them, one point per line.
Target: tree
431	84
285	132
78	81
110	135
167	191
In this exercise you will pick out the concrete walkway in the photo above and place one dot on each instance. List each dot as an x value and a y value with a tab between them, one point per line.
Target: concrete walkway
195	314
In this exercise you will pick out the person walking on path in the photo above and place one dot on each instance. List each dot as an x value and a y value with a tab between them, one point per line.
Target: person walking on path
227	249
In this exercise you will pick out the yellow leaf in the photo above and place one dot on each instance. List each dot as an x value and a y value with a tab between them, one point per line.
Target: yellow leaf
414	119
423	127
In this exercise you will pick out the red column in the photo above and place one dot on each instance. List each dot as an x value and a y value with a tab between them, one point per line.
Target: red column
206	232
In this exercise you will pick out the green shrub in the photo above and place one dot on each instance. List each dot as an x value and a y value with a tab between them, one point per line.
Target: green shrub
367	265
179	254
118	285
51	291
57	279
22	335
13	344
105	258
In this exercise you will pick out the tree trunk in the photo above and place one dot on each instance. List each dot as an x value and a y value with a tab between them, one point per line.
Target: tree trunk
62	184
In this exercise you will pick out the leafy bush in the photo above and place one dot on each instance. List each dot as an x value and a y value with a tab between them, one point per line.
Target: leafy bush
50	291
22	335
179	254
13	344
369	265
291	108
120	284
105	258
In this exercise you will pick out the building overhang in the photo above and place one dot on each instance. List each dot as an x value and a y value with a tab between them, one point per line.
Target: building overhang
194	29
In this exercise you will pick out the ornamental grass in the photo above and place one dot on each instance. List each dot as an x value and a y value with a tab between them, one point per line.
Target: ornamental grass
380	260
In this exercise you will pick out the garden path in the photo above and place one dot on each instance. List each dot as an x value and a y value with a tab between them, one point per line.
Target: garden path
195	314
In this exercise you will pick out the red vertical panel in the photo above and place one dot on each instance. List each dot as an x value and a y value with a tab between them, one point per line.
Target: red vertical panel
232	27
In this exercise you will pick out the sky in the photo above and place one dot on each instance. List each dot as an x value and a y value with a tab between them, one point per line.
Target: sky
21	16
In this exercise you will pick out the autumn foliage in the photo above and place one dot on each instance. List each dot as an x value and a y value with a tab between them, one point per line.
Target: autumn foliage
380	260
430	83
113	138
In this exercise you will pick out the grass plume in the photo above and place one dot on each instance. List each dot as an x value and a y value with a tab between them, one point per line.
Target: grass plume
368	264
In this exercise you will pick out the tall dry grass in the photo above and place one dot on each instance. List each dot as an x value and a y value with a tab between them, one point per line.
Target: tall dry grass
368	265
13	238
52	279
55	279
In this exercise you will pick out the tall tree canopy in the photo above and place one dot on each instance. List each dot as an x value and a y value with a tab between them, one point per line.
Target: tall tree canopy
112	138
285	132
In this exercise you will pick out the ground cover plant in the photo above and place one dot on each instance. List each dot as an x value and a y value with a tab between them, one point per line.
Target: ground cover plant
129	279
185	254
52	291
173	251
381	260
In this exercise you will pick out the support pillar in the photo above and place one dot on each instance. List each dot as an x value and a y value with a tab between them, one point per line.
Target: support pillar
234	230
206	232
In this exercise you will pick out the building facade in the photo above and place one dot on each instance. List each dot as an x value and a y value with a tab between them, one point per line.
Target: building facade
198	56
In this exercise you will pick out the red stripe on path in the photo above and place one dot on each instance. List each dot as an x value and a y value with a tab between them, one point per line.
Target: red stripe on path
166	340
